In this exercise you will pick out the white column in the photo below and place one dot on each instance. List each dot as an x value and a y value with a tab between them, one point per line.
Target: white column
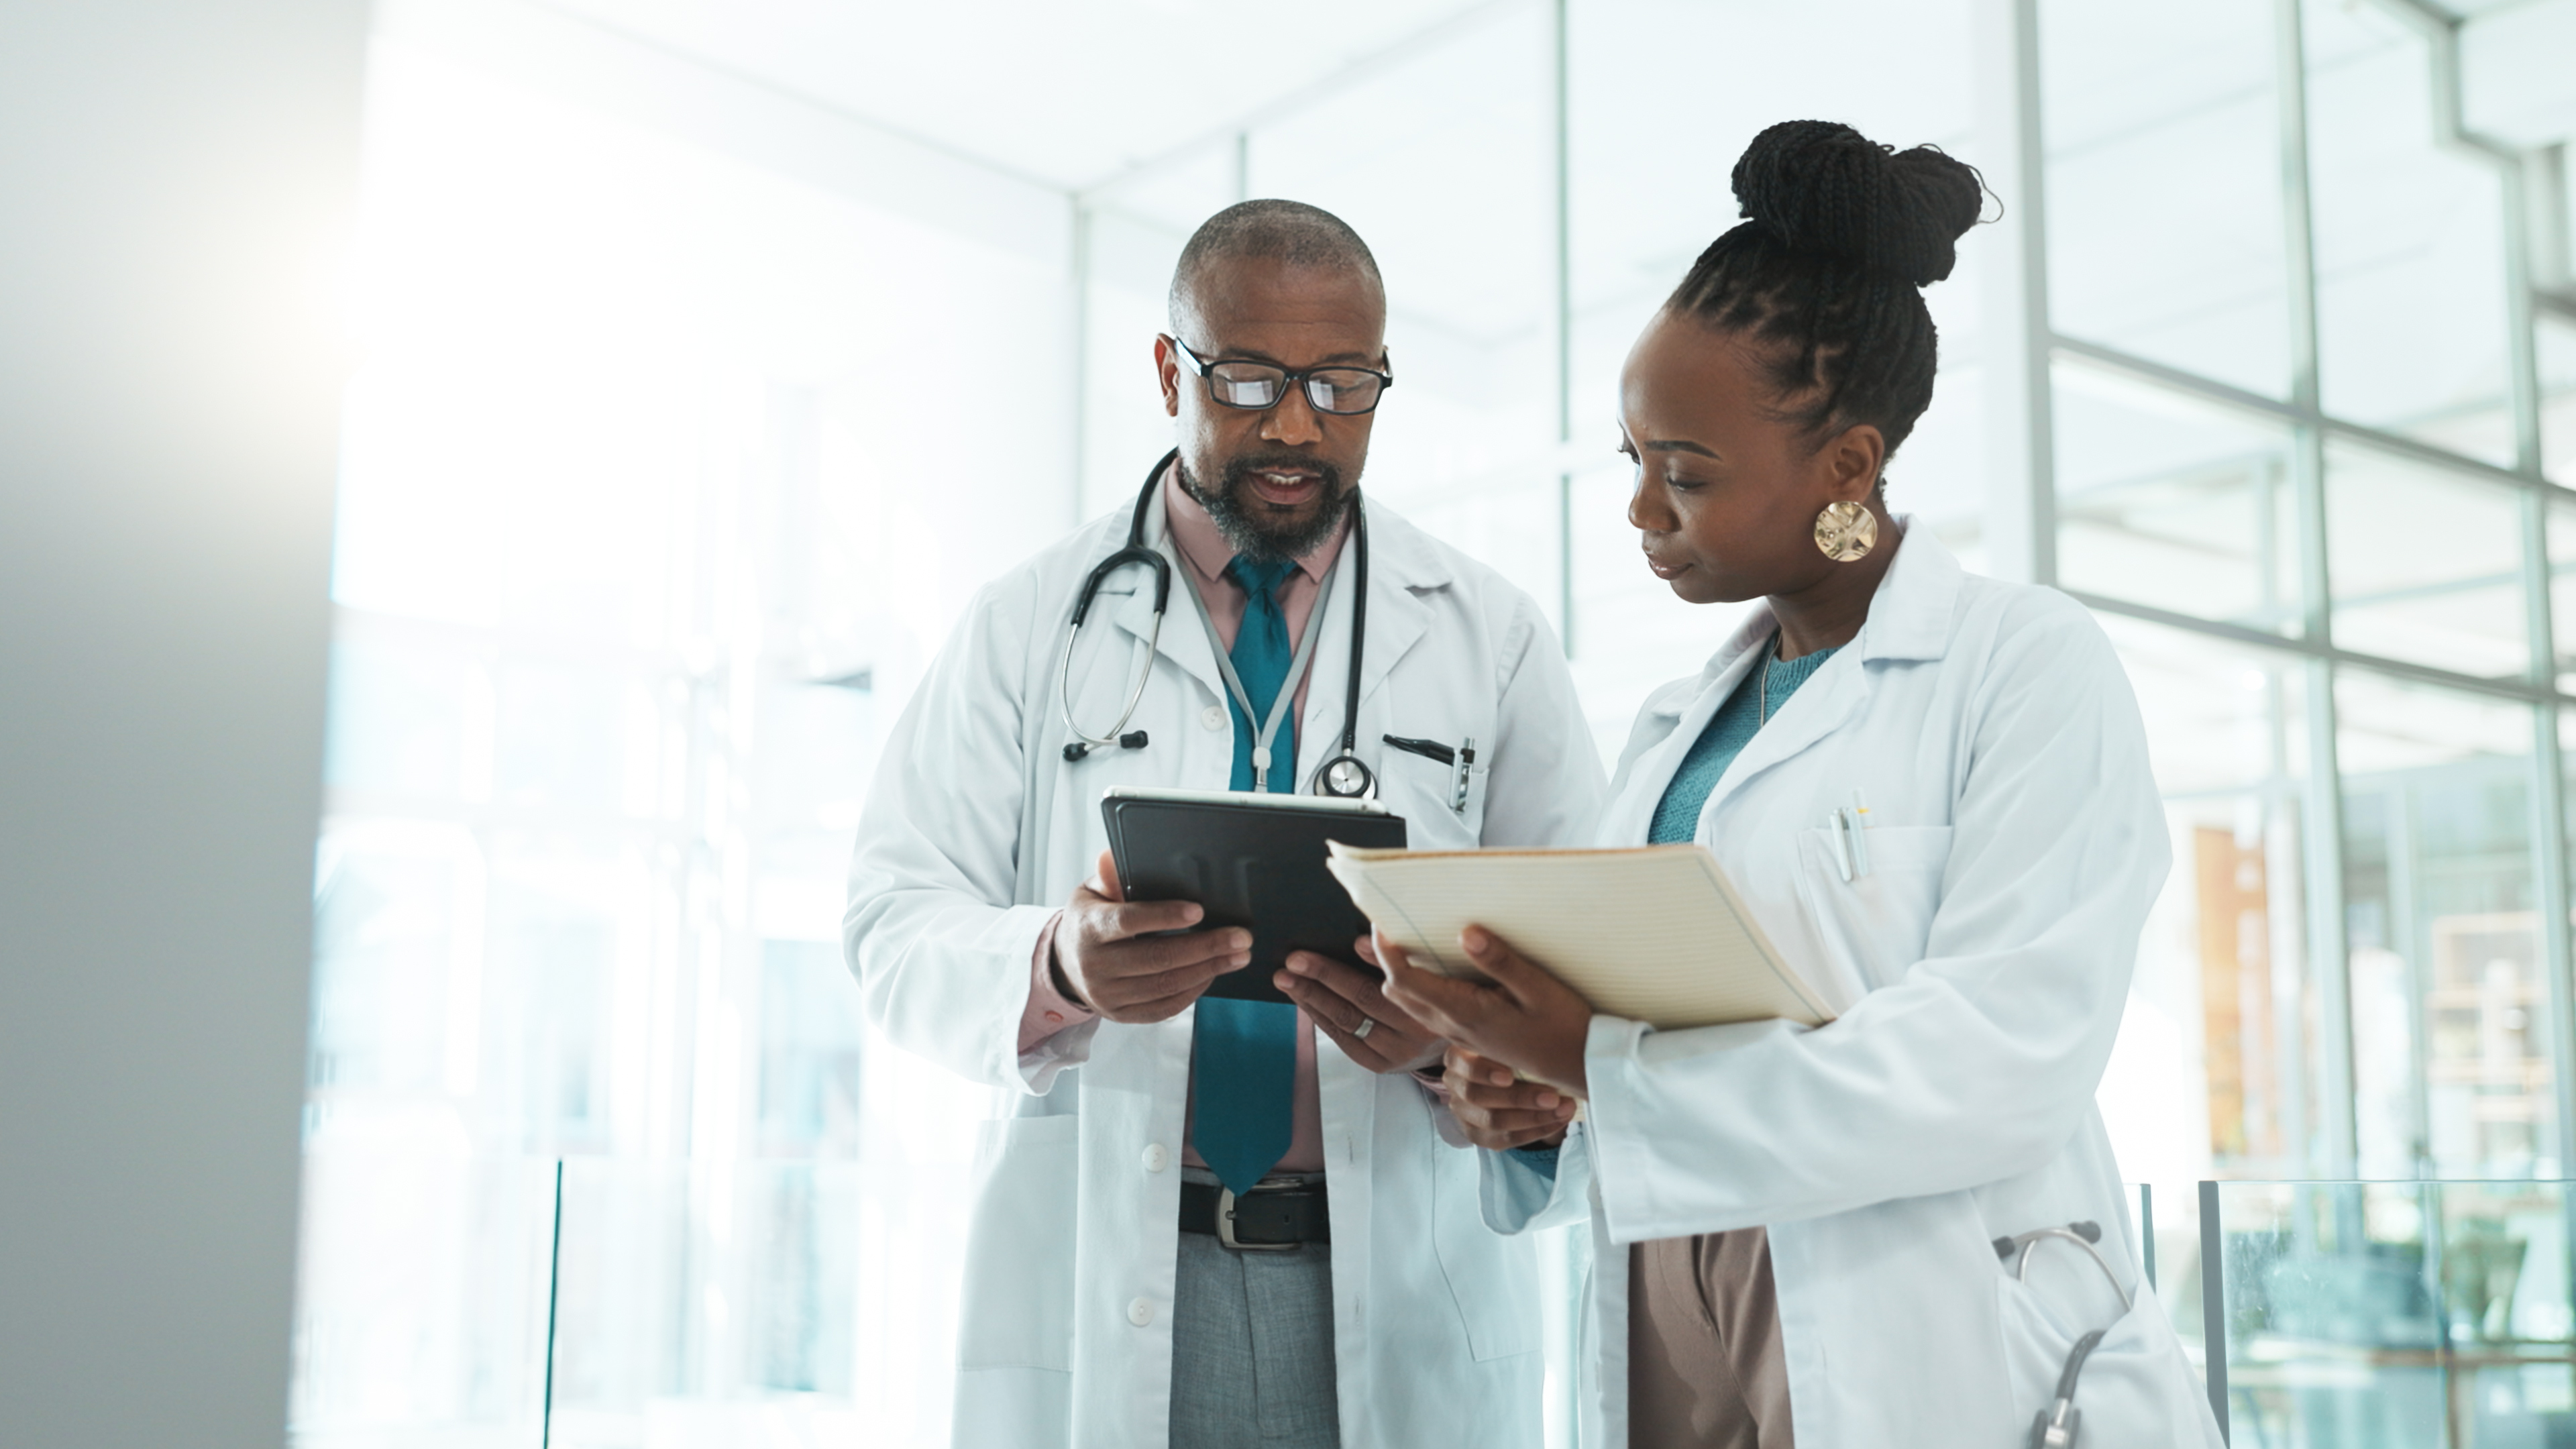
2021	489
176	183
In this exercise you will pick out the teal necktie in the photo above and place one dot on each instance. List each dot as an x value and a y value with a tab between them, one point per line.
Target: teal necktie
1243	1068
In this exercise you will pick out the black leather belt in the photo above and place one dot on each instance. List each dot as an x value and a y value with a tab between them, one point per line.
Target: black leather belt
1265	1220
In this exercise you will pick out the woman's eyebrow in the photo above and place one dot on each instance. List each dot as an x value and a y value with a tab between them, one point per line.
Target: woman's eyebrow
1679	445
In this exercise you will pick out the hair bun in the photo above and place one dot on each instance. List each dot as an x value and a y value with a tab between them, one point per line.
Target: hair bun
1823	188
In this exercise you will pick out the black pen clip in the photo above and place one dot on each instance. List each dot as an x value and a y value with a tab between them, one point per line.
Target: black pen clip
1461	760
1427	749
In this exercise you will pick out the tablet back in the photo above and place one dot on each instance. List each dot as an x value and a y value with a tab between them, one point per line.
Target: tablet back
1249	860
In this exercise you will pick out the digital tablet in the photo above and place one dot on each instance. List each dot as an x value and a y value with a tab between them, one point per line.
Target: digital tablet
1249	860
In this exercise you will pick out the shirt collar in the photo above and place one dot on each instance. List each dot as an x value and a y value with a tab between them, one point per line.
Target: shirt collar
1202	543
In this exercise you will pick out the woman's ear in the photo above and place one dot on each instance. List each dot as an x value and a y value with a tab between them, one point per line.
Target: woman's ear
1852	458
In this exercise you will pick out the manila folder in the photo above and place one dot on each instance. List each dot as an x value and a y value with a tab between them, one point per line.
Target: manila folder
1653	934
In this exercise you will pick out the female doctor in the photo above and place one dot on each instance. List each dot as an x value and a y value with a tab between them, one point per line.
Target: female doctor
1932	789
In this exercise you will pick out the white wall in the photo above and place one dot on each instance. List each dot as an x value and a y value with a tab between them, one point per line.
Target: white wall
175	177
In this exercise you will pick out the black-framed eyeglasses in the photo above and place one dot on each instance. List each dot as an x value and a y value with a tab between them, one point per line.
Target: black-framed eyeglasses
1253	386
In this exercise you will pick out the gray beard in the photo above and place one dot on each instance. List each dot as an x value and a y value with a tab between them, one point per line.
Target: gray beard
1245	528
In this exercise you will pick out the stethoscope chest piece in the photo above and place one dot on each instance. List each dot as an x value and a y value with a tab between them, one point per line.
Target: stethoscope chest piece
1345	776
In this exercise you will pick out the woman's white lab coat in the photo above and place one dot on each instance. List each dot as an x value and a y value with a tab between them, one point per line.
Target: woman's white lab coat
978	830
1979	968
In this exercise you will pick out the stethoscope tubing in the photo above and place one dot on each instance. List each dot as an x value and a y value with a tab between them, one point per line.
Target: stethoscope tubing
1136	551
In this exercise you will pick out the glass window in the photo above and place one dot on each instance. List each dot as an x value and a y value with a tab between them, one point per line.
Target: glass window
2223	994
1650	192
2561	528
2396	1313
2409	240
1469	330
2165	229
2450	1007
721	1302
810	1040
2168	500
420	1296
2556	344
635	559
399	713
2426	565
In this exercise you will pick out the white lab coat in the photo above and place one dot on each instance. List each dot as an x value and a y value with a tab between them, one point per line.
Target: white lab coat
1979	970
978	830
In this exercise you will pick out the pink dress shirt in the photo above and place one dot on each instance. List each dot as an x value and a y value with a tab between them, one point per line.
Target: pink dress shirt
1204	555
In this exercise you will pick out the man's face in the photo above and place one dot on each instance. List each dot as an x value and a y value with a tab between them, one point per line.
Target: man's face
1277	479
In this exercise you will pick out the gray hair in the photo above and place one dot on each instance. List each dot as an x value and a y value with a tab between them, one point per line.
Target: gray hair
1287	231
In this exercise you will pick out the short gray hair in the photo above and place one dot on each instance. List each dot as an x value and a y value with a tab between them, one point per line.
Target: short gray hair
1287	231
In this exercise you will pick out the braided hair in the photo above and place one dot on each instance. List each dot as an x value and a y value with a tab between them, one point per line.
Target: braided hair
1824	275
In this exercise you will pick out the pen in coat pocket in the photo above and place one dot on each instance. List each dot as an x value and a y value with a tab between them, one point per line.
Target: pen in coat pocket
1860	832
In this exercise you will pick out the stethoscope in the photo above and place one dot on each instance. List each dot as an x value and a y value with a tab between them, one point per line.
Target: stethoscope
2055	1427
1343	775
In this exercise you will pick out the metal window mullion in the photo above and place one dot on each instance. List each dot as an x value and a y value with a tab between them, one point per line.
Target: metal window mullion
1560	188
2544	199
2549	799
1081	261
2522	320
2321	813
2299	253
2410	937
2549	858
2321	818
2253	403
2038	380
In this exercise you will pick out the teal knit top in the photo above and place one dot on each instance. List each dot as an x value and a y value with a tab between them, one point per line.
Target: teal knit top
1728	732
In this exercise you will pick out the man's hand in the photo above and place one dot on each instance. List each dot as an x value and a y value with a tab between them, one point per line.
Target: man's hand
1526	1019
1497	1109
1105	952
1341	997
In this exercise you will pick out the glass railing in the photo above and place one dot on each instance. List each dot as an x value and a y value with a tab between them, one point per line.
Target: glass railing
600	1304
2357	1315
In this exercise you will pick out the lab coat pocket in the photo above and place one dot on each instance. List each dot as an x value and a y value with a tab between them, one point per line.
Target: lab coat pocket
2132	1390
1491	1277
1016	1307
1872	920
1425	793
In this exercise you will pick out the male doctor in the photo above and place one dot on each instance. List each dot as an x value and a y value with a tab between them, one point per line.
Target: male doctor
1205	1224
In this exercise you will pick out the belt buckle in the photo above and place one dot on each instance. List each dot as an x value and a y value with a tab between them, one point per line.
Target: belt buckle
1225	1228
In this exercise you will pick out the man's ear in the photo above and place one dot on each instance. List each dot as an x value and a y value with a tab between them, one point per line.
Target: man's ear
1167	365
1852	459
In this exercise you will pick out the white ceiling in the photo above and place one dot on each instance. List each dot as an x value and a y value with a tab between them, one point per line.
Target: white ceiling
1070	94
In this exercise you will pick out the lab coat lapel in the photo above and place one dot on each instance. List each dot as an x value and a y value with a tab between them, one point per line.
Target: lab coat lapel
1909	618
1401	571
1819	707
1686	712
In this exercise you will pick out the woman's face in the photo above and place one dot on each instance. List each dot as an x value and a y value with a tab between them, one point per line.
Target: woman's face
1727	494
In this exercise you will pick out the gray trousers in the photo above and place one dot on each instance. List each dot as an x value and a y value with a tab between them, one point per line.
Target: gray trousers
1252	1348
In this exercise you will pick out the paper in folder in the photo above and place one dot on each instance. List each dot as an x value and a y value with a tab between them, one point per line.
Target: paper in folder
1653	934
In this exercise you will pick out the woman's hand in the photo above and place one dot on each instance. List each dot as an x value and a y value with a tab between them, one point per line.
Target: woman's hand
1526	1019
1497	1109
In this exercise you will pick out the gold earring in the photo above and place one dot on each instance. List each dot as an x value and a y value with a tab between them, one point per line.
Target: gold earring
1846	531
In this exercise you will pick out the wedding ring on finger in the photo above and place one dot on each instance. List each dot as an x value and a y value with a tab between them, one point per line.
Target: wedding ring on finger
1360	1032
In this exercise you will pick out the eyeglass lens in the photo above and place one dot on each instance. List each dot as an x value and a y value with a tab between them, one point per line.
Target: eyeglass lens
1329	390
